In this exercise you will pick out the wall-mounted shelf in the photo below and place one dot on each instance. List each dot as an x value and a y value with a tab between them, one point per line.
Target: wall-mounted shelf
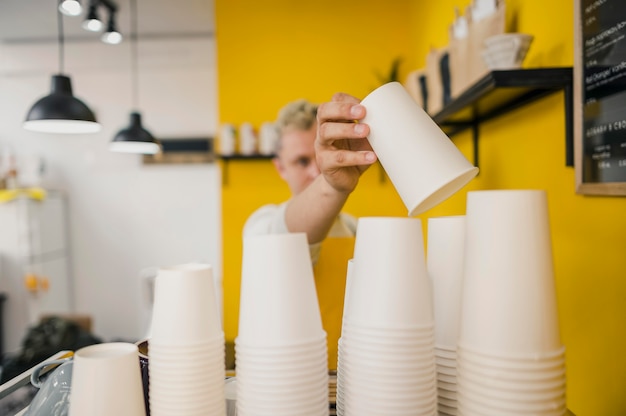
183	150
499	92
227	158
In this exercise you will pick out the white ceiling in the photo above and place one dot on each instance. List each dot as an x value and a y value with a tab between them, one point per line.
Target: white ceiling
36	21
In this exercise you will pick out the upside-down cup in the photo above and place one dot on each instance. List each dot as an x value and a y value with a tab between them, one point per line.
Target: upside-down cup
390	285
106	380
278	300
444	260
185	306
509	299
423	164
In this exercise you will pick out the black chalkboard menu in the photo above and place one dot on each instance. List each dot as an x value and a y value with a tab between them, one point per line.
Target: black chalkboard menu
600	96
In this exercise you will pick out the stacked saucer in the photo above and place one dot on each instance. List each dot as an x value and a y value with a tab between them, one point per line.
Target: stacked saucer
281	350
386	362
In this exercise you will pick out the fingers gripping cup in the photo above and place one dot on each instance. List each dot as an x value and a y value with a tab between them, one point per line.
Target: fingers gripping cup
423	164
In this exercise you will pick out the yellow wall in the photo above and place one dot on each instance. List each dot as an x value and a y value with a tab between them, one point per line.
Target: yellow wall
272	52
275	51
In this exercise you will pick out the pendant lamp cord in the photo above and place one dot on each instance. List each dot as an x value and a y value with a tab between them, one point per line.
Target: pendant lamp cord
61	41
134	54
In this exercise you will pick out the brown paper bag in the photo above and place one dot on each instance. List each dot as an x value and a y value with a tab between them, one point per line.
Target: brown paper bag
415	84
434	80
494	24
459	49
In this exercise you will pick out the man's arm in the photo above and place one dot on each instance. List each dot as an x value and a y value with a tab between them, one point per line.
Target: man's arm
314	210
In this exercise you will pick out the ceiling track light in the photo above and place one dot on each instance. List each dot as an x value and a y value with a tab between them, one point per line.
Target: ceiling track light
112	36
60	111
92	22
134	138
70	7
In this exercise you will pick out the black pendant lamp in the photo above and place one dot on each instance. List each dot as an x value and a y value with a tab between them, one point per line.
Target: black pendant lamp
61	112
134	138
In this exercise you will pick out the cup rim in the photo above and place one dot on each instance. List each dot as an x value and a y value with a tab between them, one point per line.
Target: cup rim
535	356
513	395
496	404
281	344
368	326
519	385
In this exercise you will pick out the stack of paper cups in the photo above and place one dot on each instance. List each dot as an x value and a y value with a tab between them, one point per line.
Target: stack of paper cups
281	350
445	254
187	360
510	357
386	362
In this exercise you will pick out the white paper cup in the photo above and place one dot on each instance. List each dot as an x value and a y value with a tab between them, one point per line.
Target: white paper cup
422	162
391	353
470	400
385	339
318	407
185	306
376	404
390	285
314	365
285	359
295	348
276	388
346	299
446	362
447	386
444	260
532	364
515	361
515	385
521	377
509	298
447	410
106	380
278	301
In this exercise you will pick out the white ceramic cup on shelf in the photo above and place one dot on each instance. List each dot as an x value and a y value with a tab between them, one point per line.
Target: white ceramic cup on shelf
423	164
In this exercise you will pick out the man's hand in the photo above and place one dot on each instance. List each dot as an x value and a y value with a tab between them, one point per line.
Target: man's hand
342	150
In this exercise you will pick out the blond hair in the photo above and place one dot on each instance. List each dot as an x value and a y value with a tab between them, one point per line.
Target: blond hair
297	115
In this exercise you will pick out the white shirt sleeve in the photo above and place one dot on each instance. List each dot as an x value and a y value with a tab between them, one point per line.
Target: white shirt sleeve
270	219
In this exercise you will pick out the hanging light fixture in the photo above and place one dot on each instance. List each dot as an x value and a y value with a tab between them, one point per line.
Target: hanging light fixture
60	111
112	36
70	7
134	138
92	22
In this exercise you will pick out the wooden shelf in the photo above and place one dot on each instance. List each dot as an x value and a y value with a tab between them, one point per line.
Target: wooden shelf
227	158
499	92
